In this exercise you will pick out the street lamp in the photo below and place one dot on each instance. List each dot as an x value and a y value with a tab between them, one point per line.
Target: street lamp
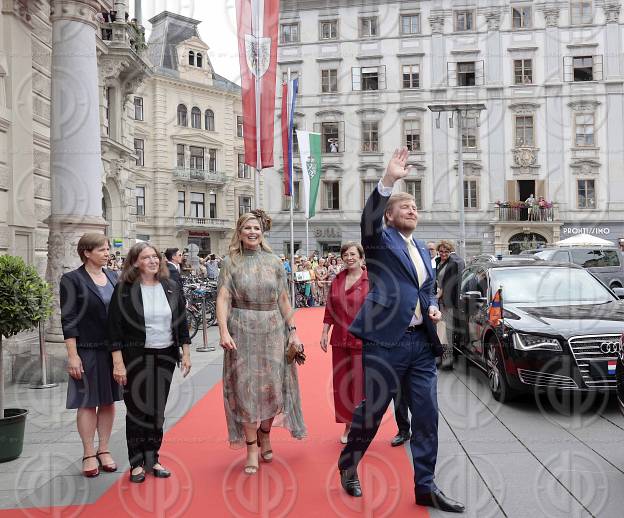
461	110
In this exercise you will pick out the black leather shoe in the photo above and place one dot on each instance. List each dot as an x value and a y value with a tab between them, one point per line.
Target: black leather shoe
439	500
400	438
350	482
161	473
138	478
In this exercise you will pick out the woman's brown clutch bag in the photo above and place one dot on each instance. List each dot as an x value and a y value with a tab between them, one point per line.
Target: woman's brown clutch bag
293	354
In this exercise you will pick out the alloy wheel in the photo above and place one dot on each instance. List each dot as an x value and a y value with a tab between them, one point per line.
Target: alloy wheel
493	370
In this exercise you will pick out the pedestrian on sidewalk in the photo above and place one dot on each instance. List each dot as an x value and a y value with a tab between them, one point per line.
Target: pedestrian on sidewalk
397	326
85	294
256	320
346	295
147	327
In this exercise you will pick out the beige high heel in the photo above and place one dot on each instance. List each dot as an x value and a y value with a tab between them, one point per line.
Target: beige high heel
267	456
250	469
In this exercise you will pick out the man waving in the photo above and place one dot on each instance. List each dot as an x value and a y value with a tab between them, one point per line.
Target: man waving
397	326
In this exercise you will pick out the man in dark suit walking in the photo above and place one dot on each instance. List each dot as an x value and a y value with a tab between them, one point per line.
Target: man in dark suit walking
397	325
174	260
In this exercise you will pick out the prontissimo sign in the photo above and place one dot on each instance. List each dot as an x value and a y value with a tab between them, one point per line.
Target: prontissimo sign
593	231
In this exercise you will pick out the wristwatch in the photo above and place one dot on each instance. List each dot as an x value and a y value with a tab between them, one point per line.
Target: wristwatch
292	328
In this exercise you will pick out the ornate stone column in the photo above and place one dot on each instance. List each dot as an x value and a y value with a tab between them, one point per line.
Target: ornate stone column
552	67
494	47
75	156
612	41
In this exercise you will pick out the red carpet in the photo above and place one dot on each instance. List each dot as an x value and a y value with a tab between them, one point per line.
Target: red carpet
301	481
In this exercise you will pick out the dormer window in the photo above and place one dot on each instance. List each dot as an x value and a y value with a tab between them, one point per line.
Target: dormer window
191	58
199	60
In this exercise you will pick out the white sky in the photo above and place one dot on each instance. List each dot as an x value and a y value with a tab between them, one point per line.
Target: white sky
217	28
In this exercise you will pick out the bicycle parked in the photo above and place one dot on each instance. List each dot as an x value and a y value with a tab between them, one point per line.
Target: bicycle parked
197	295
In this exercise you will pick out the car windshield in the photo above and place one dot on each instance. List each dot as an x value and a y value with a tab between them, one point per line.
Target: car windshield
549	286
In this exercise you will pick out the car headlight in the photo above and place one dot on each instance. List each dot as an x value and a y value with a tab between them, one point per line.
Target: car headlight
524	342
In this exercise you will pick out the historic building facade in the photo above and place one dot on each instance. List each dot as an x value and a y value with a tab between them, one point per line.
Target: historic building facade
550	76
191	183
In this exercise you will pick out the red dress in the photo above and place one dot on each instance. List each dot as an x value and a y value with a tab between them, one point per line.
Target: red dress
348	376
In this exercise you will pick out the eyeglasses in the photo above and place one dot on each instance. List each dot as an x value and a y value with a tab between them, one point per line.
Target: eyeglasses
150	258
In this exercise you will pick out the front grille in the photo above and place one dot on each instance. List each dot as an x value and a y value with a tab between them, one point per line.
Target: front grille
546	379
586	349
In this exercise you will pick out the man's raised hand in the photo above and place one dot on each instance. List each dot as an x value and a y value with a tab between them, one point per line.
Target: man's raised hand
397	167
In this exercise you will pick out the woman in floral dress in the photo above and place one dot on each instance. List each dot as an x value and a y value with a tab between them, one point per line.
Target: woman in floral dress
256	322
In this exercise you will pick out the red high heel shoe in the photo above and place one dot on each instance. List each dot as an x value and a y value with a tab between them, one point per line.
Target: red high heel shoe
90	473
109	468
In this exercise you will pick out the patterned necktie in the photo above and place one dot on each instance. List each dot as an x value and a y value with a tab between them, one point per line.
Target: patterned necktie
421	272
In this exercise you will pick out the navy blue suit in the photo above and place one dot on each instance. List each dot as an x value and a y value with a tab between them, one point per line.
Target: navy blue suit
394	357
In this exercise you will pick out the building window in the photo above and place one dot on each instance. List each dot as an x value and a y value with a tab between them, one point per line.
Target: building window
470	132
471	194
330	137
583	68
212	160
368	187
212	204
368	27
182	120
295	141
332	195
586	194
584	129
289	33
197	205
197	158
139	194
328	30
524	131
466	74
329	81
244	170
138	108
139	151
295	197
410	24
199	60
196	118
210	120
239	125
370	136
414	188
521	17
180	159
411	134
191	58
581	12
523	71
368	78
464	21
244	205
294	74
181	204
411	76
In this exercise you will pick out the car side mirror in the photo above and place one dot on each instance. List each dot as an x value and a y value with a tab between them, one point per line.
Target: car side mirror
619	292
474	296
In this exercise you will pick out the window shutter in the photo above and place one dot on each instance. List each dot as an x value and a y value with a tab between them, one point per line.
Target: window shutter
356	79
568	71
479	73
540	188
341	137
511	190
451	71
597	69
382	77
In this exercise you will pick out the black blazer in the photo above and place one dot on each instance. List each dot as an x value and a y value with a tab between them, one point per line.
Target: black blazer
126	320
83	312
174	275
451	279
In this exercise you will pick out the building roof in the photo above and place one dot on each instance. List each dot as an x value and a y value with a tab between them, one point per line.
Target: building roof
168	30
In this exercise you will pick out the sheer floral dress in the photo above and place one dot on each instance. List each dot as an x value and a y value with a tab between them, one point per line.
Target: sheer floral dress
258	384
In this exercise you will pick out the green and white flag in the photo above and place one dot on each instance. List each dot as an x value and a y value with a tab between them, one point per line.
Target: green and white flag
310	153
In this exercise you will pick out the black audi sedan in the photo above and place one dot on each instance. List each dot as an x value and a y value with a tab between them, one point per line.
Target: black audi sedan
560	327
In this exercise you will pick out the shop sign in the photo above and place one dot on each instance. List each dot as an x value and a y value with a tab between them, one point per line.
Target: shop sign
592	231
117	243
328	232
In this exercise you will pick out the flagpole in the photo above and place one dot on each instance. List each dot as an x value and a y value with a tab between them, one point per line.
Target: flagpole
291	172
259	19
307	236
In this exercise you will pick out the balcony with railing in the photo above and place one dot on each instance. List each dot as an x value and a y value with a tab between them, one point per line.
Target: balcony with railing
188	222
509	212
186	174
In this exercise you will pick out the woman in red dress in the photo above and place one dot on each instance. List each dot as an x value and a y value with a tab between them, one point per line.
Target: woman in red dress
346	296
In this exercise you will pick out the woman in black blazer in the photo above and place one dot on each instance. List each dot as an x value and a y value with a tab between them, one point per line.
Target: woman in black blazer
147	326
85	294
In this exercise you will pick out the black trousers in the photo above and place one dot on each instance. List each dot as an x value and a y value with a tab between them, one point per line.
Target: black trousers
149	373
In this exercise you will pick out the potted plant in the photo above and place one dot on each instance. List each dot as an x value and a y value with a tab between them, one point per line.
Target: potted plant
25	300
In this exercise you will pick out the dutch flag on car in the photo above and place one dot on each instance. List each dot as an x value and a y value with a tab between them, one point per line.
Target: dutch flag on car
611	366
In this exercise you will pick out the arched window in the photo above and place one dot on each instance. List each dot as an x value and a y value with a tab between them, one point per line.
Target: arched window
191	58
210	120
182	121
196	117
199	60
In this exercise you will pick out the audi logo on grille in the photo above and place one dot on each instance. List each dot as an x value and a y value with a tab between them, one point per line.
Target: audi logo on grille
609	347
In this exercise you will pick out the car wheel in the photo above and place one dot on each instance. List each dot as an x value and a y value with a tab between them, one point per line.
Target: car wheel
497	379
